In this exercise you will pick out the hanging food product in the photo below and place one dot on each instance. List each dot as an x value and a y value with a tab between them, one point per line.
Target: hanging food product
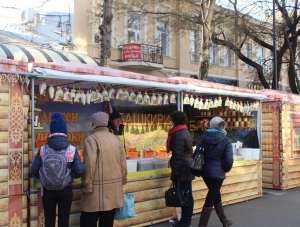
77	98
94	95
111	93
59	95
67	95
139	98
105	95
98	96
43	87
197	103
132	96
201	104
216	102
237	106
241	107
220	101
227	102
166	99
210	103
73	93
51	91
146	99
230	104
206	104
120	94
82	96
173	98
186	99
159	99
88	97
153	100
233	105
192	100
126	94
256	105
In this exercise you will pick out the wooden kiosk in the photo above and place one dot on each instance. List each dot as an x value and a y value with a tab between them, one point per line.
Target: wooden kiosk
280	140
242	183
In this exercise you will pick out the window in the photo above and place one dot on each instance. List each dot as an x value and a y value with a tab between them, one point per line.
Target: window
249	54
229	57
134	28
260	55
213	58
296	137
162	36
194	45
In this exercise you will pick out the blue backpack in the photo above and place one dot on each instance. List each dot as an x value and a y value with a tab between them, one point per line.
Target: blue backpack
54	172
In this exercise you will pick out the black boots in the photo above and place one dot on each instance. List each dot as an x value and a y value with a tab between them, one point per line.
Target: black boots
220	212
205	214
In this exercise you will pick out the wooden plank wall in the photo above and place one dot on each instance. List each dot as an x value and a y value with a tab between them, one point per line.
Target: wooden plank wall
288	175
243	183
13	152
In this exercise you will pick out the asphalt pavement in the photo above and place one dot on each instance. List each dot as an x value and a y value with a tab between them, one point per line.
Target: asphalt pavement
274	209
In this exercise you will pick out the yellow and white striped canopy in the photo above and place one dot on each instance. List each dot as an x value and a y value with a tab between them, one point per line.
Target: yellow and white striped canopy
43	55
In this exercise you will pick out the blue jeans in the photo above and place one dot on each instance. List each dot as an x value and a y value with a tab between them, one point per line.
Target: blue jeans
62	199
186	212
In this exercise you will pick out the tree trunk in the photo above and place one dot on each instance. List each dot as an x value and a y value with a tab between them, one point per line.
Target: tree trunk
292	74
207	8
105	31
204	55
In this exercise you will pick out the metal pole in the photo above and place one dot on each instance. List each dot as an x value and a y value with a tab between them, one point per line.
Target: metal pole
275	82
32	125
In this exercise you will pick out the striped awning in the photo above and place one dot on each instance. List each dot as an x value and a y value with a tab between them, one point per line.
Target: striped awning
43	55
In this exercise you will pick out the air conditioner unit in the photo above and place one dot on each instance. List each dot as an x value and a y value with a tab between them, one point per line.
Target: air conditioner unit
27	16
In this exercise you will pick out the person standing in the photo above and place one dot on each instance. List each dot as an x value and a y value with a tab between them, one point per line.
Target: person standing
105	174
218	159
115	127
57	148
180	143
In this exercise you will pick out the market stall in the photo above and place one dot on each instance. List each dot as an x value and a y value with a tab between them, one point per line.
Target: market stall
144	118
280	140
14	170
24	132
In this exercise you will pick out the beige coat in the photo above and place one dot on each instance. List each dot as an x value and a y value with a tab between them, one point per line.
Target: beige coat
105	172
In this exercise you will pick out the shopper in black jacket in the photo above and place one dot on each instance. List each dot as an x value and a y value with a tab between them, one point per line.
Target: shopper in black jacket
218	159
180	143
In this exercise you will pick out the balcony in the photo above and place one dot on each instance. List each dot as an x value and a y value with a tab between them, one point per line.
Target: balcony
140	56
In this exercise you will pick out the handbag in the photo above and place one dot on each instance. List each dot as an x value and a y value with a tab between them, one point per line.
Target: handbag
197	162
176	198
127	211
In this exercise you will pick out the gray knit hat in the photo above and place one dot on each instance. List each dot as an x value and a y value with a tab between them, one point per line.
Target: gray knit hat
99	119
217	123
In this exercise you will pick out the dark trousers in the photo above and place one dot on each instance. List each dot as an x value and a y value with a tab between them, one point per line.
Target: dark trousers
186	212
62	199
89	219
213	196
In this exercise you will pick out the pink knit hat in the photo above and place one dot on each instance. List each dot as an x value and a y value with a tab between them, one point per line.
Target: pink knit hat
99	119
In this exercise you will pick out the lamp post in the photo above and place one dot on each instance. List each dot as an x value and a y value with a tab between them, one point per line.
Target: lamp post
275	83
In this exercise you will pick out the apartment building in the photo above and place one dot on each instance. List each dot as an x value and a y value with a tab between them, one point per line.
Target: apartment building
159	49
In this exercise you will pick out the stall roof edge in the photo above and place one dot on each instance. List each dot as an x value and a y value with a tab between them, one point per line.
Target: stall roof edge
111	79
54	74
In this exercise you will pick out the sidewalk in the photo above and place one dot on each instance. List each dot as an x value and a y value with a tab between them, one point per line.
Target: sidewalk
274	209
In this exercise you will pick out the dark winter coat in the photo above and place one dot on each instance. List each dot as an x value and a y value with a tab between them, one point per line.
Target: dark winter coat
59	143
182	150
218	155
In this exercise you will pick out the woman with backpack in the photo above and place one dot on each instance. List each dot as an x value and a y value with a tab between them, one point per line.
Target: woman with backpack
218	159
56	164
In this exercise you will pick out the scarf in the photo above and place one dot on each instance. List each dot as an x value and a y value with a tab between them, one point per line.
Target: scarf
217	130
171	132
